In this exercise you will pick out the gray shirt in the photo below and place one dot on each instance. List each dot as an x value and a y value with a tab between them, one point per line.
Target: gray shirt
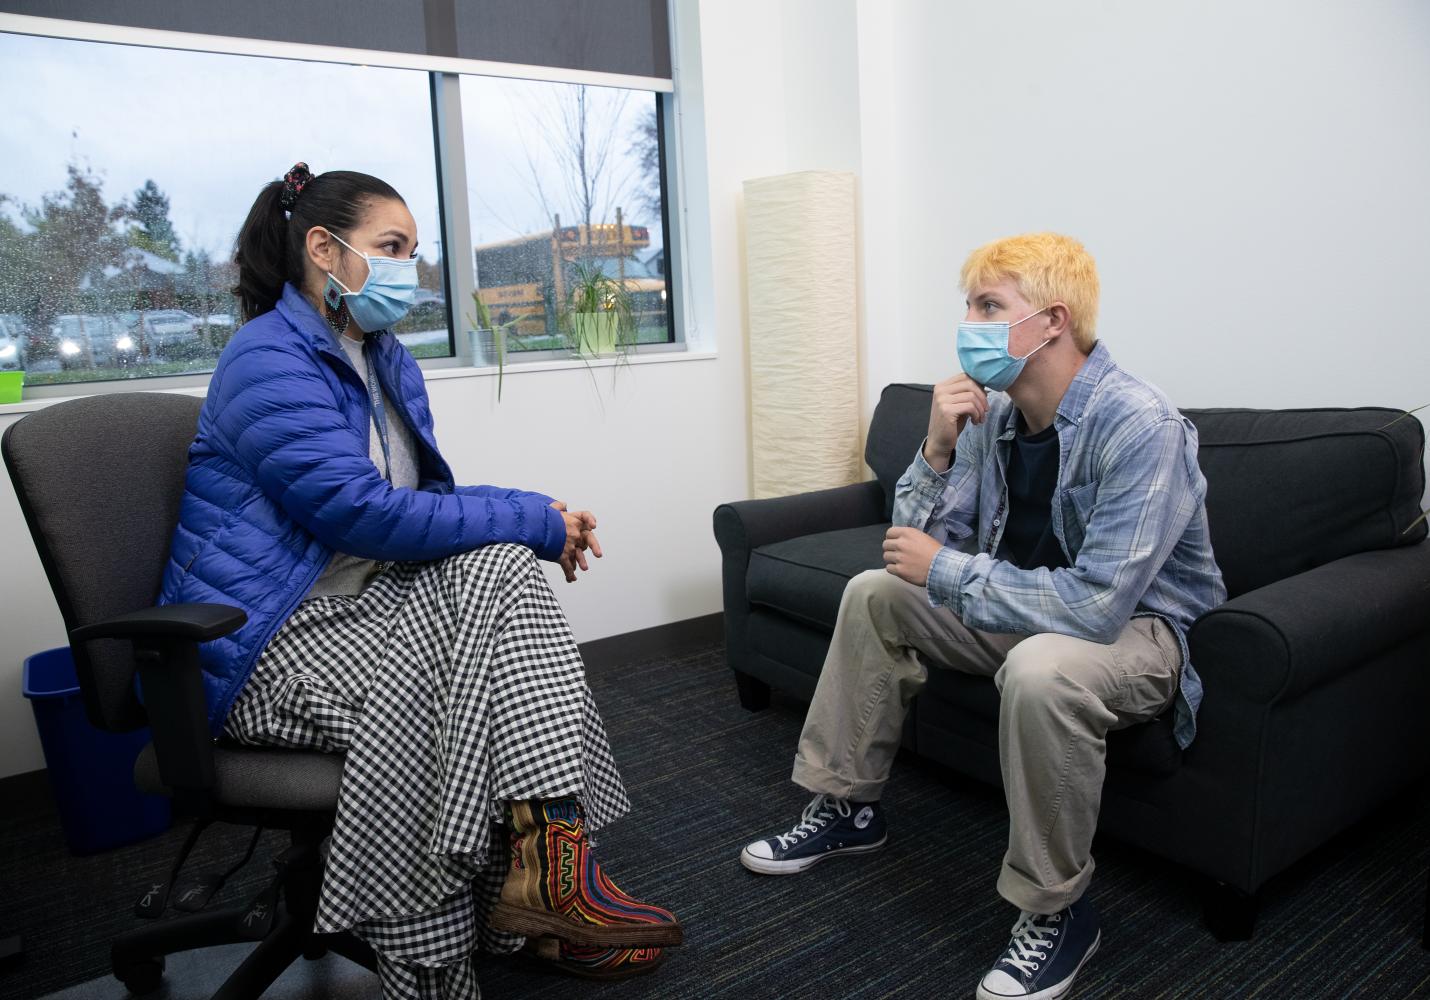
347	575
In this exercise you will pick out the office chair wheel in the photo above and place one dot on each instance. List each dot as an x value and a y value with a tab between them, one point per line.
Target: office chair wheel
143	975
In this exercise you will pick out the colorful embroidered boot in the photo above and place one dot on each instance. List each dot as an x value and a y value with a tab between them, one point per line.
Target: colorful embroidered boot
592	963
556	887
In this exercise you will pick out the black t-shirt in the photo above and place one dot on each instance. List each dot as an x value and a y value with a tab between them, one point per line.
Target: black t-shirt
1028	540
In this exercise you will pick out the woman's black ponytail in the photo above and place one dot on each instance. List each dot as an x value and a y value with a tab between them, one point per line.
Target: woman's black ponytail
261	253
270	248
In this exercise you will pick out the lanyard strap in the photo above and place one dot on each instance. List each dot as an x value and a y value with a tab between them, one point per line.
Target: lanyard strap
379	412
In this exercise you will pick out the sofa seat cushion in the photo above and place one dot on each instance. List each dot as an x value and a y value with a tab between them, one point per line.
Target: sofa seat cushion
805	577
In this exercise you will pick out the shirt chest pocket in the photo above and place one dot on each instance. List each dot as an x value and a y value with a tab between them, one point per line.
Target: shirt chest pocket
1076	504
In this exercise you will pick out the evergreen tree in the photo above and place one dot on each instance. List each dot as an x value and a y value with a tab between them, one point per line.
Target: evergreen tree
153	232
14	271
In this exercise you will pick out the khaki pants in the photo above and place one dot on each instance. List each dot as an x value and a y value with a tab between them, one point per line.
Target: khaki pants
1060	696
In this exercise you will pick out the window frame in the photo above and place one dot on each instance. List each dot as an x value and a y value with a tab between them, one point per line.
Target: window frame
454	218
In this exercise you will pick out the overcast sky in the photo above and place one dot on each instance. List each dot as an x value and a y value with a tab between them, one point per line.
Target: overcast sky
210	130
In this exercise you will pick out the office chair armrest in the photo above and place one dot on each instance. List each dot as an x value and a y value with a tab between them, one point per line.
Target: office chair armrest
193	622
166	651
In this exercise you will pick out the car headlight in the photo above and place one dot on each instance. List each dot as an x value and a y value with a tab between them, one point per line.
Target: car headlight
69	348
125	343
7	352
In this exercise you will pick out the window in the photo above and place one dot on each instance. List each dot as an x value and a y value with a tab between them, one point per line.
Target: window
129	170
564	183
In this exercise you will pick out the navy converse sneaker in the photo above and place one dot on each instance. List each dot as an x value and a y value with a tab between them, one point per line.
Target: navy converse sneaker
828	827
1044	955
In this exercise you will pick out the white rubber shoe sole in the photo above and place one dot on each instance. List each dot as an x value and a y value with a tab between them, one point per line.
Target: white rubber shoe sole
1054	992
769	866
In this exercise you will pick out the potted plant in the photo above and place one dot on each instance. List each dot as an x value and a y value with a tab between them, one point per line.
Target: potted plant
12	359
488	338
598	317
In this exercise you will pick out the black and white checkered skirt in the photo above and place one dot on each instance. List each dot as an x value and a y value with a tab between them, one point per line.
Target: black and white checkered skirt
452	687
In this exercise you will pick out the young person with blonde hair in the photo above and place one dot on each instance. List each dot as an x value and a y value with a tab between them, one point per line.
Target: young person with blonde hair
1051	533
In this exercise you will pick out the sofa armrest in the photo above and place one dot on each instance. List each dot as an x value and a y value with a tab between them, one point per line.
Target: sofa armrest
748	524
1278	641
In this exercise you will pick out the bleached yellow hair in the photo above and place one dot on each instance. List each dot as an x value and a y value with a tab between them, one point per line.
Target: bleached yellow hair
1046	268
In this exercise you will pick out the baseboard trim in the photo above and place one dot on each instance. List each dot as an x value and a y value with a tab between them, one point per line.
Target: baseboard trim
674	639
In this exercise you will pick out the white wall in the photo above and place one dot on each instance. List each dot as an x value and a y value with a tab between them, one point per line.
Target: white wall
29	622
1250	176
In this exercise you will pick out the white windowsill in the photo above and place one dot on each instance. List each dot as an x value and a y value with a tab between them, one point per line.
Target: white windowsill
428	374
564	364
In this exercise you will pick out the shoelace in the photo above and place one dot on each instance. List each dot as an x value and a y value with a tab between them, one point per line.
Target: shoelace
821	811
1031	941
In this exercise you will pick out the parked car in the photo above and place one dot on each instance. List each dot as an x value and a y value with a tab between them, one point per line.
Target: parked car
90	341
164	328
13	342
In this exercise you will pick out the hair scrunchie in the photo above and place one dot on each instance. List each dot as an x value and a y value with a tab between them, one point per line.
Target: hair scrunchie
294	181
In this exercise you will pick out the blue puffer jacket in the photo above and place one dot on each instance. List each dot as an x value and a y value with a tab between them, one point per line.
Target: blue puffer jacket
280	477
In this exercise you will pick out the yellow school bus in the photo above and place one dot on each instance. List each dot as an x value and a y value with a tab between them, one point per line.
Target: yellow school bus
525	279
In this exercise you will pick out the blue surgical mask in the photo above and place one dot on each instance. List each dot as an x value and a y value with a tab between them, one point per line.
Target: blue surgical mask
384	298
983	353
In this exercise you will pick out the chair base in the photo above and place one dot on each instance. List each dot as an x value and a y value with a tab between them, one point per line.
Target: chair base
137	957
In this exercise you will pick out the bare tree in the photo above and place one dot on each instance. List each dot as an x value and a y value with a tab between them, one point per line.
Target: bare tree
579	132
645	147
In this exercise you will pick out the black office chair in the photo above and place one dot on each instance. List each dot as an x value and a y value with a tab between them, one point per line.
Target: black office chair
99	481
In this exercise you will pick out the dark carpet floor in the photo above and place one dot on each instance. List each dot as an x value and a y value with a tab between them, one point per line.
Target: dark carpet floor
920	919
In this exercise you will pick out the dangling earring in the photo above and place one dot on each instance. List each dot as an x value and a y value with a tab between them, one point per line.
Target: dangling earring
338	320
336	311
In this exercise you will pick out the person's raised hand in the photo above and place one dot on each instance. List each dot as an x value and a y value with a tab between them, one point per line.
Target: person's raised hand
956	401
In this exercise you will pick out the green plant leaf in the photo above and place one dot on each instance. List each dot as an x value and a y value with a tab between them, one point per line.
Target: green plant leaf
1407	413
593	291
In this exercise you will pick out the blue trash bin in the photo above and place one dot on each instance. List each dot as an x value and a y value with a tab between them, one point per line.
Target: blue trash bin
91	771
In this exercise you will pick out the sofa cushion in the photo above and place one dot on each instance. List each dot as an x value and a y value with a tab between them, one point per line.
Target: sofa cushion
1289	490
900	422
805	577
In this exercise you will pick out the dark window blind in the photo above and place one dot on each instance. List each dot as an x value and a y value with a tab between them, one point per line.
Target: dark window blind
629	37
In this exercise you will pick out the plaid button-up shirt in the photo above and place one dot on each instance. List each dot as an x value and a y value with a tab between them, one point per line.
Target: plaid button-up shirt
1128	510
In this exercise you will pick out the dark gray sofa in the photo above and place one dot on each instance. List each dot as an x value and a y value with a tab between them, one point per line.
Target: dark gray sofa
1317	668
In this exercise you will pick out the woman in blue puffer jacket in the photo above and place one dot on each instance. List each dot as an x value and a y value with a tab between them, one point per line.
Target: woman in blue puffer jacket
396	617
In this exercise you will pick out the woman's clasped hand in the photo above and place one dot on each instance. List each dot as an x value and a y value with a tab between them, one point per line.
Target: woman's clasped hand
580	538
